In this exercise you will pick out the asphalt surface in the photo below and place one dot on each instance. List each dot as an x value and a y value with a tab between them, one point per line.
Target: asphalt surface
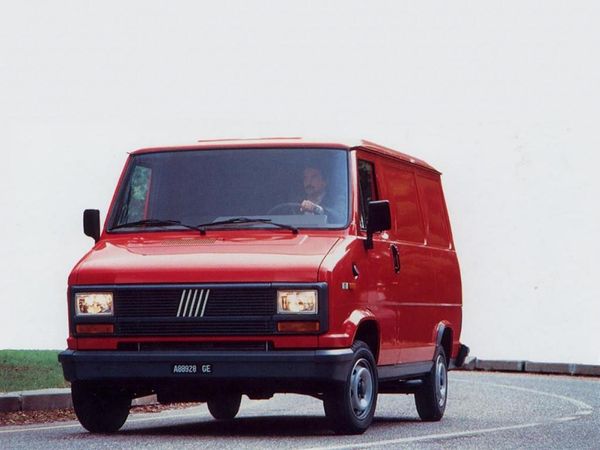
485	410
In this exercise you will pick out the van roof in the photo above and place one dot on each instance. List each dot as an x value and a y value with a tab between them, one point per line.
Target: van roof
291	142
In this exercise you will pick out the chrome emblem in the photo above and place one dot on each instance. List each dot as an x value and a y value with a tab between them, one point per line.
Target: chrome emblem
193	303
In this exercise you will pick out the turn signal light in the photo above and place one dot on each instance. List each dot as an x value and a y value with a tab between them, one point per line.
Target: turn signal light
95	328
297	327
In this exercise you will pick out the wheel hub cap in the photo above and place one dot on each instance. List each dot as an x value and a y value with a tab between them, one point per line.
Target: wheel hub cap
441	380
361	388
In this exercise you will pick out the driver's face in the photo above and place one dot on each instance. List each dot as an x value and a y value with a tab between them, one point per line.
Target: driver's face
314	183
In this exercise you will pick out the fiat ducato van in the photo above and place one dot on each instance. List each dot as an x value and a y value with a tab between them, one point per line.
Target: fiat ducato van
255	267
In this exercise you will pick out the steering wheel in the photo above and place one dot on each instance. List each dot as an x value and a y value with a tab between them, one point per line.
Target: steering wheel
285	208
294	208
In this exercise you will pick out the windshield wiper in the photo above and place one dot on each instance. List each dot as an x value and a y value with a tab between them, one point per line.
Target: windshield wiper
202	227
152	223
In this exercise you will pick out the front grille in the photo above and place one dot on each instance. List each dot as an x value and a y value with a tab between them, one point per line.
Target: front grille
165	302
194	311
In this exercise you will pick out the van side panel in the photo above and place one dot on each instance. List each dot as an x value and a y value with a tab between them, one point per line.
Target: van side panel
408	305
448	289
424	292
413	285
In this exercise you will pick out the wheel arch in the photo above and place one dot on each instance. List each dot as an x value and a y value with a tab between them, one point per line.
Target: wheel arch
443	338
368	331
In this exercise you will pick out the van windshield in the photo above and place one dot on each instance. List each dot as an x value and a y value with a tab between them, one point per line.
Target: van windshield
303	188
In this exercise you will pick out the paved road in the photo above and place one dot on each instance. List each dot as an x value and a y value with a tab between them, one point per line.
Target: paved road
485	410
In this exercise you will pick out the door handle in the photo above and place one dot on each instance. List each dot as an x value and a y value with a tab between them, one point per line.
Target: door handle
395	257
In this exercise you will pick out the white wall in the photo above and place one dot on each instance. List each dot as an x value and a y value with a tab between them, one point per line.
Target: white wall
503	97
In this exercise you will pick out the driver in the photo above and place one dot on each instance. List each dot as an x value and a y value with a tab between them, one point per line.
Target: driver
318	198
315	188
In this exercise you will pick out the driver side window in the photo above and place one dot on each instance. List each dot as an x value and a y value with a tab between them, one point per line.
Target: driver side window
135	206
367	189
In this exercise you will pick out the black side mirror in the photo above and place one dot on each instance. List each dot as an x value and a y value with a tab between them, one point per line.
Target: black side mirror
91	223
380	219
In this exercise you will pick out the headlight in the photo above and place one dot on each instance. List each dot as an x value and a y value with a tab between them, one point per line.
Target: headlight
94	303
297	302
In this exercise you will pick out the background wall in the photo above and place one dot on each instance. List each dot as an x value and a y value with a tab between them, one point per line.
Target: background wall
503	97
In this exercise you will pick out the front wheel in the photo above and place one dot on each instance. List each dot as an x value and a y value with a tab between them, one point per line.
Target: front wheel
100	409
225	407
432	395
350	407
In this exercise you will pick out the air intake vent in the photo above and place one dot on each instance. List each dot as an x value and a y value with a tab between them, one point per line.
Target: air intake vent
195	311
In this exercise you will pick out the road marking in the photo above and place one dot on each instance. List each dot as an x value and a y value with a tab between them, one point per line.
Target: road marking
425	438
428	437
566	419
585	409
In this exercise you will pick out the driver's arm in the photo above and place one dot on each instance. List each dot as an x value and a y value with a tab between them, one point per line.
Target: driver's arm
309	206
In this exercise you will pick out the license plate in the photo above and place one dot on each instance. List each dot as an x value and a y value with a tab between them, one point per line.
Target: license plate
202	369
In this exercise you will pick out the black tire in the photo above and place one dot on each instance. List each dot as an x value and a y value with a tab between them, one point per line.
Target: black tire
100	409
432	395
225	407
350	407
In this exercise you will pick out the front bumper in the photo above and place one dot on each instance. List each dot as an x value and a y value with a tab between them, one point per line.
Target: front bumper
274	368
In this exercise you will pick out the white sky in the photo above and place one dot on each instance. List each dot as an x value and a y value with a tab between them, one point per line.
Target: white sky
503	97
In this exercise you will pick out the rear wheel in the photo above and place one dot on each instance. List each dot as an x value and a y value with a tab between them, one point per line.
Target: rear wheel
100	409
432	395
225	407
350	407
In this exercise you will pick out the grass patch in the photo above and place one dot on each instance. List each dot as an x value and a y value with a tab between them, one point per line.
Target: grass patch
22	370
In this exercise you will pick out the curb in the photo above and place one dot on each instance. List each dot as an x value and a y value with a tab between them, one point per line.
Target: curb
45	399
475	364
36	400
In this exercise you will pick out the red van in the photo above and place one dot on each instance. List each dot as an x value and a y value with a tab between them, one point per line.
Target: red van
255	267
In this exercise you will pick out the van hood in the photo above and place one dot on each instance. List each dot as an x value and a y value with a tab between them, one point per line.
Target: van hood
168	258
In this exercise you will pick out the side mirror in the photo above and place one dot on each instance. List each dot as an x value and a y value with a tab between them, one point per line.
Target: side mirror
380	219
91	223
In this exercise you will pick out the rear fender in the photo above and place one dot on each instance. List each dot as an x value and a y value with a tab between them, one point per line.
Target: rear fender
438	337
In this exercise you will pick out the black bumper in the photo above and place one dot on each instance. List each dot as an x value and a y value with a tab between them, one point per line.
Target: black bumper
264	368
457	362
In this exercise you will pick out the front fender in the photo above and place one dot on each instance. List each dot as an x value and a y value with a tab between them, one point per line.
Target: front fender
350	326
